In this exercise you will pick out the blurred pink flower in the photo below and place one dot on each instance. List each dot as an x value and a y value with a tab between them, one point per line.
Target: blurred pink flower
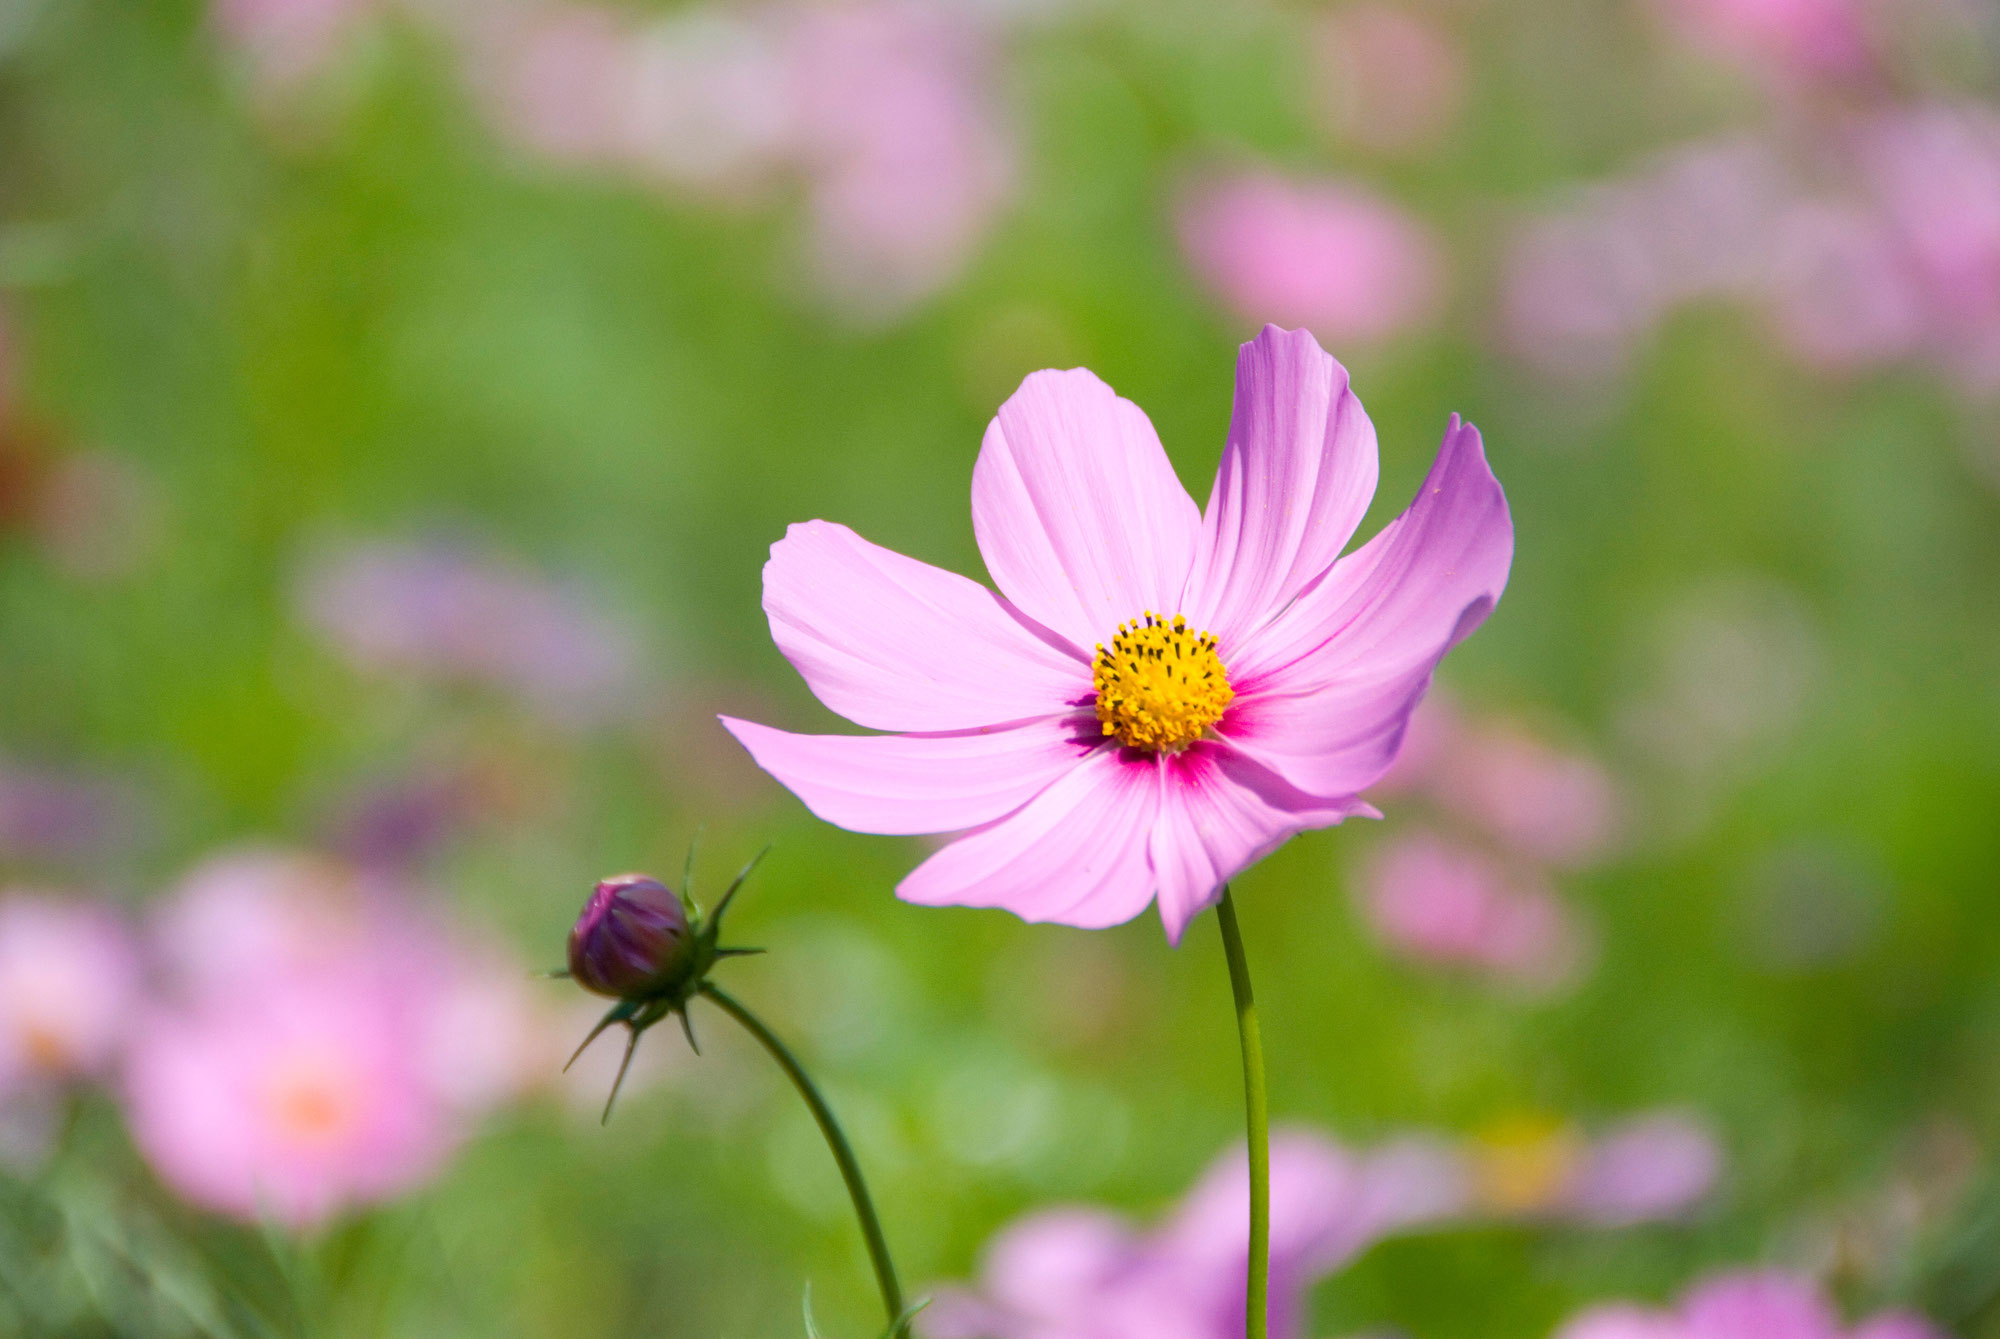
69	977
884	110
906	156
696	101
1078	1273
323	1040
1842	292
1750	1305
1934	171
1428	744
286	42
1550	804
290	1104
1785	39
254	916
1387	79
710	109
1896	1325
1759	1306
1321	253
1300	667
483	1036
556	79
1644	1169
1085	1273
50	816
397	822
1577	294
1649	1168
451	613
1618	1321
1884	245
1585	282
1445	902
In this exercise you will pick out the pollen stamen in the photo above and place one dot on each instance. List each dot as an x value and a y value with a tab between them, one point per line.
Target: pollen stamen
1148	700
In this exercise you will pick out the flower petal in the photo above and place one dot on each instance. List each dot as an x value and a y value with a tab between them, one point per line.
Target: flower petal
1075	854
920	783
895	644
1296	477
1334	741
1220	813
1324	692
1078	512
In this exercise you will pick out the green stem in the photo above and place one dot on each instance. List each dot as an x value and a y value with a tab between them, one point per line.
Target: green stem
843	1152
1256	1123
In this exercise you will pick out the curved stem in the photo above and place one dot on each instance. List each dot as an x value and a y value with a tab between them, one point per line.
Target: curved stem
1256	1124
836	1140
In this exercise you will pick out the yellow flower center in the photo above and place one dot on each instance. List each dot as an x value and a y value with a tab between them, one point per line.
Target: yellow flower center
312	1101
1159	686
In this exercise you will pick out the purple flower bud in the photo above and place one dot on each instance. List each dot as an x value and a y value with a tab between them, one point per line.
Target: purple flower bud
632	939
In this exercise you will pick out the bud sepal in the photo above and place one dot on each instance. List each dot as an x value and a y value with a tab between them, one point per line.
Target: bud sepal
651	950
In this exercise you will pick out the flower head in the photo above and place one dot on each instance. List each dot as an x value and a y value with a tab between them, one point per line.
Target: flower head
1749	1305
1445	902
291	1106
68	976
1082	1273
1783	39
1326	253
651	950
1157	696
631	938
448	613
318	1043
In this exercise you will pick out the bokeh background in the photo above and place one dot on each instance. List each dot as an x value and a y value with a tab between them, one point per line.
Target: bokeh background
398	399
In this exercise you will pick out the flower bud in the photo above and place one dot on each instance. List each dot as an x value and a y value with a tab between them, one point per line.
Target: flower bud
632	940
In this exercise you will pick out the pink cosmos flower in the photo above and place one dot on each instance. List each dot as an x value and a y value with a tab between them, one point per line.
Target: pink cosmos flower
708	108
883	111
556	79
248	924
1843	295
68	978
1619	1321
1157	697
52	816
1584	283
1388	79
1445	902
288	41
906	156
457	614
1549	803
288	1106
321	1043
1750	1305
1934	172
1081	1273
1327	254
1784	38
1648	1168
257	916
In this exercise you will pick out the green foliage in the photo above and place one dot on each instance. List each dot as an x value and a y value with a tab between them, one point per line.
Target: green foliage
381	323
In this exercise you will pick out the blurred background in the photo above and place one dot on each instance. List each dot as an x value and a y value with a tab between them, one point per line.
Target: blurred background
398	399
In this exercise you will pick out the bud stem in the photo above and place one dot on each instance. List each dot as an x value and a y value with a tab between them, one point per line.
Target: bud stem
1256	1113
843	1154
